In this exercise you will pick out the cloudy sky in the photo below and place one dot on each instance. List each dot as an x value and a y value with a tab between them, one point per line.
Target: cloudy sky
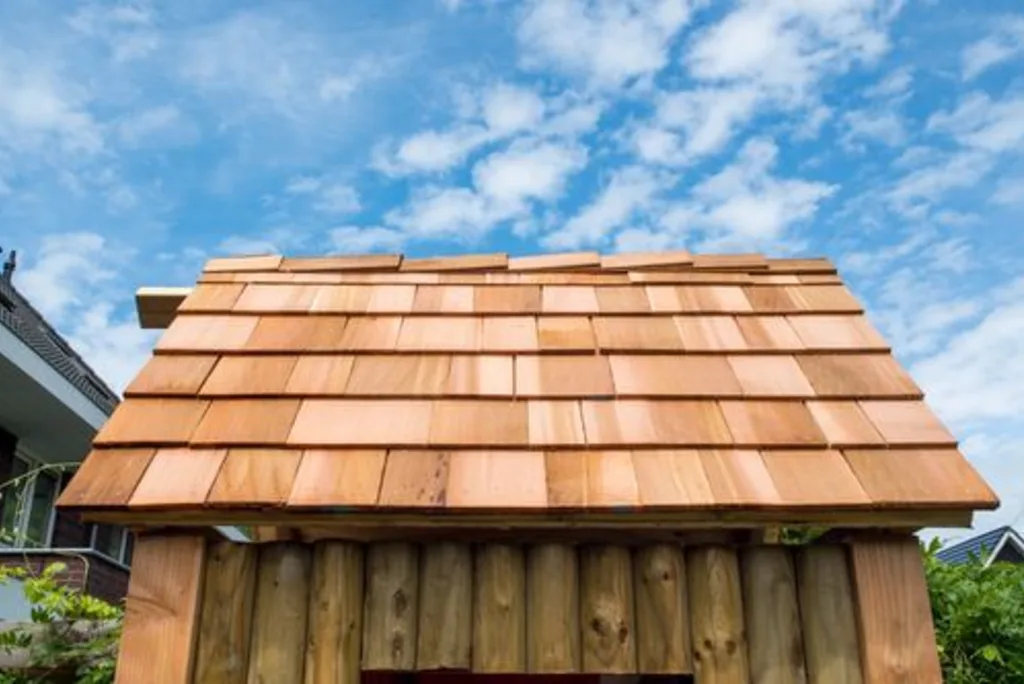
138	139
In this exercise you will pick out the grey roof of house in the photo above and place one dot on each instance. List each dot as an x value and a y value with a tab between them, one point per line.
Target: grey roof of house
28	325
978	545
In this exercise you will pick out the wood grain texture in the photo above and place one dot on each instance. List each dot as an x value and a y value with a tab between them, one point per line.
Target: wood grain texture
334	649
894	617
391	606
552	614
716	616
229	590
662	612
827	615
255	477
338	477
107	477
444	638
499	609
178	477
242	376
171	375
415	479
156	422
161	610
772	616
207	333
919	476
256	422
280	615
607	610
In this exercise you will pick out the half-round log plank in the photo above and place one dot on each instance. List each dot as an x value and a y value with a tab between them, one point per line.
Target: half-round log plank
280	615
606	610
446	600
662	616
772	616
716	616
391	606
827	614
229	588
553	610
499	609
335	614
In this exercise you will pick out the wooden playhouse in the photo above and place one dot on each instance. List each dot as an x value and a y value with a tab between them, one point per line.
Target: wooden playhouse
563	466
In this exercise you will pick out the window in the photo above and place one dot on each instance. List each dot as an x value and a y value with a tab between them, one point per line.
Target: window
113	542
26	511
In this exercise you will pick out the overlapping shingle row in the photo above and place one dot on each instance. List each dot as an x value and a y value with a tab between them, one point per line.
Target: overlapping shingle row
658	382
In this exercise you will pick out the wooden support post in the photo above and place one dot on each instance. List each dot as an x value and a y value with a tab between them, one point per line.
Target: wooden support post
772	616
391	608
716	616
827	614
553	612
499	609
894	617
280	614
606	610
161	610
222	655
662	615
444	637
335	614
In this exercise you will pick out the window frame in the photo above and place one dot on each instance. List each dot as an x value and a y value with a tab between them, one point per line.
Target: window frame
20	530
122	546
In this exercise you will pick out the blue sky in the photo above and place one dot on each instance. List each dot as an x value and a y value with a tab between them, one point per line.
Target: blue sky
138	139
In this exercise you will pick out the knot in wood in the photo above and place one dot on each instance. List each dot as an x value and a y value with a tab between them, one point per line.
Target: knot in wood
400	602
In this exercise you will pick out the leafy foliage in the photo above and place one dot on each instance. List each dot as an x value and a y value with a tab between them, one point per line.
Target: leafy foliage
979	619
73	632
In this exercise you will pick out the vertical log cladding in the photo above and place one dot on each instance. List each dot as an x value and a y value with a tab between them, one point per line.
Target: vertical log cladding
716	616
335	614
391	606
772	616
553	610
226	620
280	615
662	615
446	598
160	621
606	610
499	609
827	614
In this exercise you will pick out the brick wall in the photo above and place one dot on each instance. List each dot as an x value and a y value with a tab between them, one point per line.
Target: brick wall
90	572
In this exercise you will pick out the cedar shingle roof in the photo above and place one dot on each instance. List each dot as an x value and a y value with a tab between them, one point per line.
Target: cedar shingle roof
661	383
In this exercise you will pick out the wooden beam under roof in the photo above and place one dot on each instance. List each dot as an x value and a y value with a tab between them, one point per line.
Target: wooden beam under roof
156	306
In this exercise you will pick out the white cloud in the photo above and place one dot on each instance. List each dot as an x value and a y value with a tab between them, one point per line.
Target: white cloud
528	171
1006	43
40	107
873	125
1009	192
162	124
976	375
506	185
128	29
63	272
786	47
895	85
978	121
366	239
328	197
745	205
658	146
627	193
929	183
510	109
504	110
708	117
607	42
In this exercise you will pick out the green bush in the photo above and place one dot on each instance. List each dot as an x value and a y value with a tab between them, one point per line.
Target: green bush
979	619
73	636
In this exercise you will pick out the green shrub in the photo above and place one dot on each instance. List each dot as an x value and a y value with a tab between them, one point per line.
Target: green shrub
73	636
979	619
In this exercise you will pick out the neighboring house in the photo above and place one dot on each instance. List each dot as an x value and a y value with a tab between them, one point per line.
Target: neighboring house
1002	544
51	405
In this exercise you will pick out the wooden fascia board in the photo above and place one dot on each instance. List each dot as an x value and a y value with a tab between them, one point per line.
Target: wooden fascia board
156	306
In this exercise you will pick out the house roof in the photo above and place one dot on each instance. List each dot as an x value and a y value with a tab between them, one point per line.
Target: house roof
29	326
712	386
987	543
